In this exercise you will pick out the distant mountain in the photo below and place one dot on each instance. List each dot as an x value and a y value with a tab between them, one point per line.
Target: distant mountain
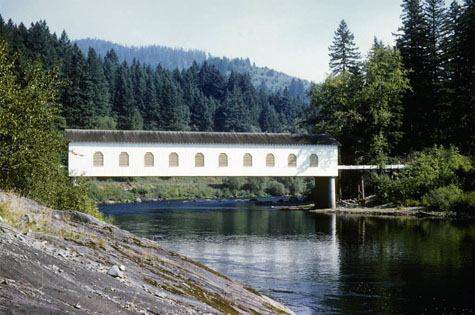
171	58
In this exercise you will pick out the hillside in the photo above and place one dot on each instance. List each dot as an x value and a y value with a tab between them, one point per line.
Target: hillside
171	58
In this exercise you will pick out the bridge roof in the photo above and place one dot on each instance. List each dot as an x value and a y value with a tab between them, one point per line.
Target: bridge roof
189	137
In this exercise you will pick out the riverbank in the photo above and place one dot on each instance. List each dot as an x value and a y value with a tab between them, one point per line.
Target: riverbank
371	211
69	262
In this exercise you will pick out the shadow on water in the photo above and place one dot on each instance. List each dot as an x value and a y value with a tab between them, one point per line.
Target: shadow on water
320	263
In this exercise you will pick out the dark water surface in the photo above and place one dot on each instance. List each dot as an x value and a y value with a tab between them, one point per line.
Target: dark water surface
315	264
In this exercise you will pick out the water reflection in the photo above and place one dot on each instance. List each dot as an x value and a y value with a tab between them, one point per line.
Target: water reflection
320	263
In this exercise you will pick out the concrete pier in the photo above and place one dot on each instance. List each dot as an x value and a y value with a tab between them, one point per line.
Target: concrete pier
325	192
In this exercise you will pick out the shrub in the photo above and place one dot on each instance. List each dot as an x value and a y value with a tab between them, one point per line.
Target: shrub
431	169
275	189
442	198
465	203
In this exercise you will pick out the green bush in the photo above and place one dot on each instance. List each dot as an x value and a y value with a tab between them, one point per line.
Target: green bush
275	188
465	203
442	198
431	169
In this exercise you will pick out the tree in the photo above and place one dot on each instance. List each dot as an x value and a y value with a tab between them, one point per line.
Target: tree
363	110
464	109
434	14
412	43
233	115
100	89
337	106
344	55
124	99
381	98
30	144
77	93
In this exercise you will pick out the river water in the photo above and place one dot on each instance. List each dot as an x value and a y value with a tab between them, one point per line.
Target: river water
317	263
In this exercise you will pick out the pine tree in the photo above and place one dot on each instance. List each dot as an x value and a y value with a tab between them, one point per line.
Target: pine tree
233	115
77	94
464	109
123	106
344	55
100	90
412	43
434	13
174	114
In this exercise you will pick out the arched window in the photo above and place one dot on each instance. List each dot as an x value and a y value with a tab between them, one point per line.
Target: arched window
98	159
173	160
124	159
292	160
313	160
199	160
247	160
148	160
270	160
223	160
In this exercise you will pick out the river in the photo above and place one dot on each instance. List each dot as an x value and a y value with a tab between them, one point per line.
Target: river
319	263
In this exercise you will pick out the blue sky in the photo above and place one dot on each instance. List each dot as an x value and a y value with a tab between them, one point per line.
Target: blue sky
287	35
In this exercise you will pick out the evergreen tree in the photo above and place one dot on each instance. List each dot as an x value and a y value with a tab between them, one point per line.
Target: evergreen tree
233	115
174	114
77	94
464	108
151	112
123	106
344	55
211	82
269	120
100	91
412	43
434	13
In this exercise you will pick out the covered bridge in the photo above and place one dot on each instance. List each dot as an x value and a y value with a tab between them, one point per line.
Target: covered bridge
121	153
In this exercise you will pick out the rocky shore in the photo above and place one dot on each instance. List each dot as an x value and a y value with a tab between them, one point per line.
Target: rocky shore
353	208
67	262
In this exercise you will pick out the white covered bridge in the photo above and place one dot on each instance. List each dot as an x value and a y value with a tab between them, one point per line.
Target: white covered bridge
109	153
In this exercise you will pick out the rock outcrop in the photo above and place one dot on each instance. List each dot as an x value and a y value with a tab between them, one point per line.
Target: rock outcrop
68	262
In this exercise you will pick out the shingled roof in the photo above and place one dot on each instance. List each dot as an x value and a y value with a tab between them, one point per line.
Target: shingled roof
188	137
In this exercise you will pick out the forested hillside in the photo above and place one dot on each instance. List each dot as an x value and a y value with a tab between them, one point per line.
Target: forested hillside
171	58
107	93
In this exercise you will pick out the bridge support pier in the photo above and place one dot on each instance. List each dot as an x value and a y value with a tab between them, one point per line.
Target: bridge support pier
325	192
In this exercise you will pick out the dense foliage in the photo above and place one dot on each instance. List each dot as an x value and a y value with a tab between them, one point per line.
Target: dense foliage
30	142
437	45
437	177
363	108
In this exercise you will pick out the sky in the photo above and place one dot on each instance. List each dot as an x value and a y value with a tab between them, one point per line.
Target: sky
290	36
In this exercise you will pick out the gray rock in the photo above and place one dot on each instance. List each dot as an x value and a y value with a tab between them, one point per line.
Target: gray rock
122	267
27	219
78	306
1	220
138	199
115	272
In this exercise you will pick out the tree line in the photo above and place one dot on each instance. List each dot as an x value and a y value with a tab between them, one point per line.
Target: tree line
173	58
405	98
107	93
